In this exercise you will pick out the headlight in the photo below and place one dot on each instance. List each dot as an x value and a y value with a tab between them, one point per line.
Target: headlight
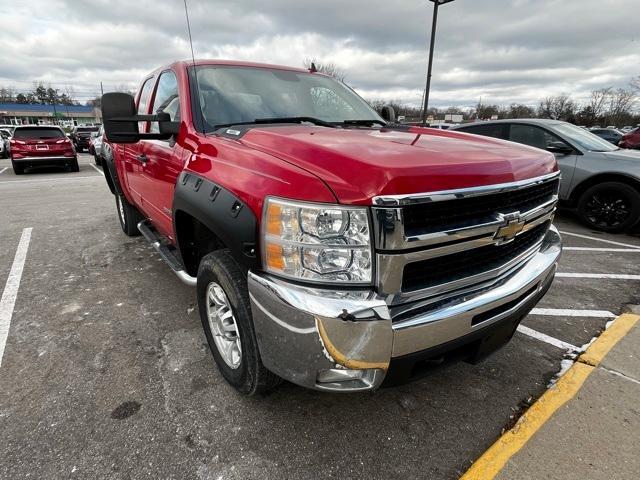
316	242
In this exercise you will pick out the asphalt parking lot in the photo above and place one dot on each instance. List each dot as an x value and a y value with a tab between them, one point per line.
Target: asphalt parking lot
106	373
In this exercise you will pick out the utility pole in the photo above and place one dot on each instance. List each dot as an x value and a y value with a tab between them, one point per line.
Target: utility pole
101	89
436	4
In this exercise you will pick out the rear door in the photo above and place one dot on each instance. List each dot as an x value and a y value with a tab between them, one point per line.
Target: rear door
164	159
133	165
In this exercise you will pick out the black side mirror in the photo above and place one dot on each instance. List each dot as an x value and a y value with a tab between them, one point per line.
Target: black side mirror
121	120
559	147
118	112
168	127
388	113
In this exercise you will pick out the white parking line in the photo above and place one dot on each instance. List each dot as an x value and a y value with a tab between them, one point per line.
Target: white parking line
97	169
543	337
51	180
619	276
2	171
566	312
10	292
596	249
579	235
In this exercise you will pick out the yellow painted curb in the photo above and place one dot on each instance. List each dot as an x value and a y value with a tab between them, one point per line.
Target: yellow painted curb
612	335
495	458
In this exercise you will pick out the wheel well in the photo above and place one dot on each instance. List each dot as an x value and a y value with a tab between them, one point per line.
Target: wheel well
605	177
195	240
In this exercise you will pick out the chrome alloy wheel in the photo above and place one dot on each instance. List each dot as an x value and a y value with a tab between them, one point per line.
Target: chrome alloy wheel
222	324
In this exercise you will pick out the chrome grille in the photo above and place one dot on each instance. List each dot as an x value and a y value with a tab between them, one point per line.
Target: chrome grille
425	243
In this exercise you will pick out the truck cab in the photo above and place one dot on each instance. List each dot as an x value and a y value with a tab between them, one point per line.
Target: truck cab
329	246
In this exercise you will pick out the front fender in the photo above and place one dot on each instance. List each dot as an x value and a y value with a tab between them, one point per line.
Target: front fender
230	219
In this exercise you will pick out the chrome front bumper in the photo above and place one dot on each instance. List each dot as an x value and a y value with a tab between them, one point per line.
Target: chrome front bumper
344	340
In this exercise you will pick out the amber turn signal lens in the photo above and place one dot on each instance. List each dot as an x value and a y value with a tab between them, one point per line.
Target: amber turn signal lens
274	219
275	256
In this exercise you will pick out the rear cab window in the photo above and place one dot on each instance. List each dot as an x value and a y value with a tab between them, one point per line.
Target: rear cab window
38	132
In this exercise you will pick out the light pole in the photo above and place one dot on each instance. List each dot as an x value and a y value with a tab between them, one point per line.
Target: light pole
436	4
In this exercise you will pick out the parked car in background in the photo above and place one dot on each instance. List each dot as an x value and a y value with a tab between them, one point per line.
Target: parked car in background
5	135
34	145
95	145
627	128
611	135
80	136
631	139
10	128
599	179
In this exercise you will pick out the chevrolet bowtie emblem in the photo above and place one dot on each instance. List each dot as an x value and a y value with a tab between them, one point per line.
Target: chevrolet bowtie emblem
512	226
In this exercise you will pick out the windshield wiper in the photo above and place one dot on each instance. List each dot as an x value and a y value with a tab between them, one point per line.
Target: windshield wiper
365	123
315	121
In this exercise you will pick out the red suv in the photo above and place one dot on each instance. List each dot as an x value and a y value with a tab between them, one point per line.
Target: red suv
631	139
35	145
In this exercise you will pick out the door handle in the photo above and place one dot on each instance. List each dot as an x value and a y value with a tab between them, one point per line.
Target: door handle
142	158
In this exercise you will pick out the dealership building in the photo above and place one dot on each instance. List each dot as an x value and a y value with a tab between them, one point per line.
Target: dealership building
31	114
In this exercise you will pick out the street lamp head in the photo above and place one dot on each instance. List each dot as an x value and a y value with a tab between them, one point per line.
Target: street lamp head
441	2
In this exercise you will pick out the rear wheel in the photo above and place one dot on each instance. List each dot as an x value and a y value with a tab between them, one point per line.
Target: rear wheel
98	160
129	216
73	166
610	206
225	311
17	169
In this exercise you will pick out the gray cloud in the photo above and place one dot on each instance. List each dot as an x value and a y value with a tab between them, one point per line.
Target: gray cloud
501	50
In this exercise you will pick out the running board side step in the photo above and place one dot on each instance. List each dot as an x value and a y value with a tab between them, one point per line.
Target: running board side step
166	252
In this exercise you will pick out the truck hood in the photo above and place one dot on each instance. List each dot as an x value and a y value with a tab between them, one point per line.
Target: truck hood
358	164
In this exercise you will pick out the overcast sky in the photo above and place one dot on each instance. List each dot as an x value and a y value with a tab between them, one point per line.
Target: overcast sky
501	50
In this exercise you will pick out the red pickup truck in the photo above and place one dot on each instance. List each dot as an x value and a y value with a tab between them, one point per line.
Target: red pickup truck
330	246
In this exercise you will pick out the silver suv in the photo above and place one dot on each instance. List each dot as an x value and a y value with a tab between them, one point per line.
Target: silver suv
601	181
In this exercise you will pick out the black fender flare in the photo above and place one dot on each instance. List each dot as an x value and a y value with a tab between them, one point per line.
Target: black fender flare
222	212
109	169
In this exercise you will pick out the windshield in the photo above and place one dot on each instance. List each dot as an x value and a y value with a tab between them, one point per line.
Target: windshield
583	138
233	95
36	132
86	129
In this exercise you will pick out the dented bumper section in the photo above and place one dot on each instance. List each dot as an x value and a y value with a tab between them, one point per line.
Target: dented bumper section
345	340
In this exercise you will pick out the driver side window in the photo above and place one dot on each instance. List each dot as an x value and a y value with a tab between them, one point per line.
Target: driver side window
166	99
533	136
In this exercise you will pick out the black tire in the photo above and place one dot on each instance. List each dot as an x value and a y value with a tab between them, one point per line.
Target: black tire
128	215
250	377
610	206
73	166
17	169
98	160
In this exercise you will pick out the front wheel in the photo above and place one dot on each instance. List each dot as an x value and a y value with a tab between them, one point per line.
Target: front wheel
129	216
225	312
610	206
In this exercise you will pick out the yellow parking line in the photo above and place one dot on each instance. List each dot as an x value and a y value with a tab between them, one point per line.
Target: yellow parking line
495	458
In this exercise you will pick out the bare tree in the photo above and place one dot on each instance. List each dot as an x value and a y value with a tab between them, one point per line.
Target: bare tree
559	107
621	104
328	68
598	101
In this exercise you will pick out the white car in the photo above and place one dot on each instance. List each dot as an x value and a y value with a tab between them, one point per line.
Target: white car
96	145
5	136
